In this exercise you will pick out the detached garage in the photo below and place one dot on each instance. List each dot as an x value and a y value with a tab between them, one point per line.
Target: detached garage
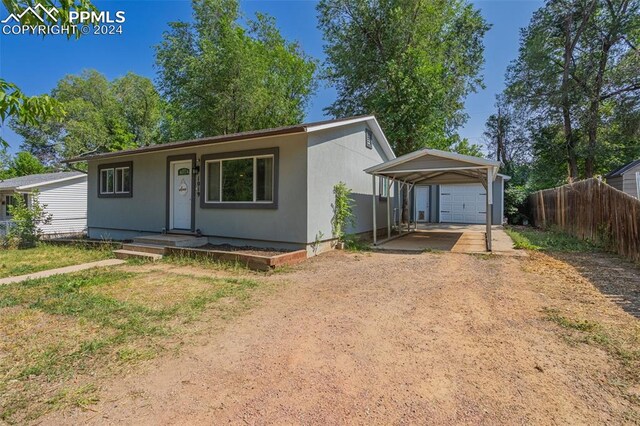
458	203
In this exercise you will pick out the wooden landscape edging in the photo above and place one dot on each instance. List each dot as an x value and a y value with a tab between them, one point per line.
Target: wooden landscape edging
252	261
593	211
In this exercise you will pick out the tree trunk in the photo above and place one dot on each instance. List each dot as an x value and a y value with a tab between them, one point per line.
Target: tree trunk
572	162
594	111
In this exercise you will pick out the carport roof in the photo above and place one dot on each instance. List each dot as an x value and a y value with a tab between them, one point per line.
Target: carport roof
435	166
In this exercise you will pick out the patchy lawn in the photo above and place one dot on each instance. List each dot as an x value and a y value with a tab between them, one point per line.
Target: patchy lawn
46	256
61	334
382	338
371	338
525	237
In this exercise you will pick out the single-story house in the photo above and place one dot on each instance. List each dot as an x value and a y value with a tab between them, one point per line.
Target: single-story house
626	178
63	193
264	188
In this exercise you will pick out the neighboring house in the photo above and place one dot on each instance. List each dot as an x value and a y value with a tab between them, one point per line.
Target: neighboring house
626	178
265	188
458	203
64	194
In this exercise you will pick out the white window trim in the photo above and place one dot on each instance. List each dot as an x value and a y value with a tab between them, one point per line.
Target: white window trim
255	177
116	181
117	184
104	173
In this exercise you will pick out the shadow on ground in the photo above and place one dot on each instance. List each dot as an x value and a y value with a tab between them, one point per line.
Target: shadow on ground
616	278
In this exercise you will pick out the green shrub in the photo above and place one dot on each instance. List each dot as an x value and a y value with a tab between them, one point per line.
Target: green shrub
342	211
515	197
25	231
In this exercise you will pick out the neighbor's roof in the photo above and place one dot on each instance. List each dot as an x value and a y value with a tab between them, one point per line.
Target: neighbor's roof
254	134
620	171
33	181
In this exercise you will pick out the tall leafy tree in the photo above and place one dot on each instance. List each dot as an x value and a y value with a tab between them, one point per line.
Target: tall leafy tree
14	103
219	76
506	136
100	116
24	164
577	67
410	62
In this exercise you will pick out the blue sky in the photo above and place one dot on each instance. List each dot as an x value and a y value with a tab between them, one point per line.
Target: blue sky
35	64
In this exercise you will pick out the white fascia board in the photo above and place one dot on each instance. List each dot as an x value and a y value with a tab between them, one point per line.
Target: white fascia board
373	124
399	160
36	185
476	161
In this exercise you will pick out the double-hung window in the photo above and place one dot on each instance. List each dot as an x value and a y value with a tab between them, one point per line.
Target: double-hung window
240	180
383	190
115	180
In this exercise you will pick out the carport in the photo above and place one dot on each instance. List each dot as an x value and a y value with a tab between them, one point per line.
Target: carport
432	166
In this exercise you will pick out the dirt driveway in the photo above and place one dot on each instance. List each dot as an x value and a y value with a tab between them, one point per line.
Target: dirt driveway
387	339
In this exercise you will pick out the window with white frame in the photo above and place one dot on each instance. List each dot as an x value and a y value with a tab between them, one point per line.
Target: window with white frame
115	180
240	180
383	190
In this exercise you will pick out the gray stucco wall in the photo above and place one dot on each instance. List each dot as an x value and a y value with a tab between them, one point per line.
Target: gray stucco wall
122	218
336	155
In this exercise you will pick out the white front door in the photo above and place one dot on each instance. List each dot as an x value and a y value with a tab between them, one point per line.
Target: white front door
463	203
181	194
422	204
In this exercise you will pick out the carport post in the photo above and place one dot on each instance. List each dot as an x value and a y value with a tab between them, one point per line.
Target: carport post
489	205
373	197
389	208
409	188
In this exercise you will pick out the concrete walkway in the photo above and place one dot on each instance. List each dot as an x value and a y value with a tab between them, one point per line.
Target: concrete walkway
65	270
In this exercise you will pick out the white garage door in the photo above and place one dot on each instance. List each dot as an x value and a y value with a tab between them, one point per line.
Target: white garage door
463	203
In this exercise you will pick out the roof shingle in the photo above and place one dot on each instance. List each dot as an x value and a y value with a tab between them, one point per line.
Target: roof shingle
39	179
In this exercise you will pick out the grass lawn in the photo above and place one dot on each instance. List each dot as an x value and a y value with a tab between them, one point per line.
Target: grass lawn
61	334
534	239
45	256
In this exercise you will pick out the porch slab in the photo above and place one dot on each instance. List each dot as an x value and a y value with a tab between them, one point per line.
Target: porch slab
172	240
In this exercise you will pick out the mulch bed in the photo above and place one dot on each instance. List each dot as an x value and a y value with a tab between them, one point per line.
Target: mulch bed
255	251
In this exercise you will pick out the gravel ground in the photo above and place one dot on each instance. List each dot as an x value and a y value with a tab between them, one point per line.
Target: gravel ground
390	339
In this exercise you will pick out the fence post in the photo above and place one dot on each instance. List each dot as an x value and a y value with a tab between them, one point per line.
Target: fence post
542	212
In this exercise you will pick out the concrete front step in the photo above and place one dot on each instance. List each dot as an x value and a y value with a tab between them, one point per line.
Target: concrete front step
144	248
172	240
129	254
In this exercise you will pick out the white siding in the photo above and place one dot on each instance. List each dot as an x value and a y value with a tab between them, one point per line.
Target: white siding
67	203
629	181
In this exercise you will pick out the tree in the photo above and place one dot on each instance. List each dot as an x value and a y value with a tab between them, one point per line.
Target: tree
24	164
14	104
506	136
219	77
141	107
609	66
410	62
577	67
101	116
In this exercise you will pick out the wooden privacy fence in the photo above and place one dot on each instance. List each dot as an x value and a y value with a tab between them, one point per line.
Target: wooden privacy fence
591	210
